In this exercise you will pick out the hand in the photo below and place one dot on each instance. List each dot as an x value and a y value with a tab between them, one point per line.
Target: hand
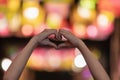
43	38
72	39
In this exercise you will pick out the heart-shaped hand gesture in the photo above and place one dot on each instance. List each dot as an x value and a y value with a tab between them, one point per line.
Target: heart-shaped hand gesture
50	37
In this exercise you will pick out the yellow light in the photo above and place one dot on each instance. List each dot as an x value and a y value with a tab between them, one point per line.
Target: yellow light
58	1
54	21
32	13
13	5
14	23
85	13
88	4
36	58
104	19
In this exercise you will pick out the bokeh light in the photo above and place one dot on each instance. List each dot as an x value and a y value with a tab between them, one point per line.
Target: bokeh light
4	30
54	21
88	4
102	20
27	30
92	31
31	12
14	23
79	61
5	63
79	30
85	13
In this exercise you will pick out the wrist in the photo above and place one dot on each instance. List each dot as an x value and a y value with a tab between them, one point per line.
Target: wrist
34	42
81	44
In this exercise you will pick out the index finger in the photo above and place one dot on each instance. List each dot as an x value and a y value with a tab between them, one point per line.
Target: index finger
47	32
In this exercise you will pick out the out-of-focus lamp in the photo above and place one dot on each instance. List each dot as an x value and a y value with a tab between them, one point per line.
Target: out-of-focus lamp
92	32
57	11
5	64
54	21
13	5
104	19
4	30
110	5
87	9
116	6
85	12
79	61
32	12
14	22
105	5
79	30
3	4
51	59
27	30
105	23
86	15
13	15
58	1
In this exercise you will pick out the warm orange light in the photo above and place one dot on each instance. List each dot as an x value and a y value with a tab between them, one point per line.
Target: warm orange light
79	30
27	30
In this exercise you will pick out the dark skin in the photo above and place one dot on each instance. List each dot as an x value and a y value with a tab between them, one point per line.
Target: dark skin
19	63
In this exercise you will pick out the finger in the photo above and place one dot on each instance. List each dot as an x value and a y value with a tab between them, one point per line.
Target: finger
48	32
47	42
65	45
65	33
52	44
58	36
44	34
69	36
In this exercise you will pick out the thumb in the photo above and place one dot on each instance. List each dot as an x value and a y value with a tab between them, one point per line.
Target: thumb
47	42
65	45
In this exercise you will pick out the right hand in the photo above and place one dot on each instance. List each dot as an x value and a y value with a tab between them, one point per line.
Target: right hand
72	39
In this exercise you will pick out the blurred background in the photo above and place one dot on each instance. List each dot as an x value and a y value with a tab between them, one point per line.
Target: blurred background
96	22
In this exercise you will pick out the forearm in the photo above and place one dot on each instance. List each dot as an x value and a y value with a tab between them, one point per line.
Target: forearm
94	65
20	61
17	66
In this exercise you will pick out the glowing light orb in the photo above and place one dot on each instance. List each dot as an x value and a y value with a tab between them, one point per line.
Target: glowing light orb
79	61
5	64
31	12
